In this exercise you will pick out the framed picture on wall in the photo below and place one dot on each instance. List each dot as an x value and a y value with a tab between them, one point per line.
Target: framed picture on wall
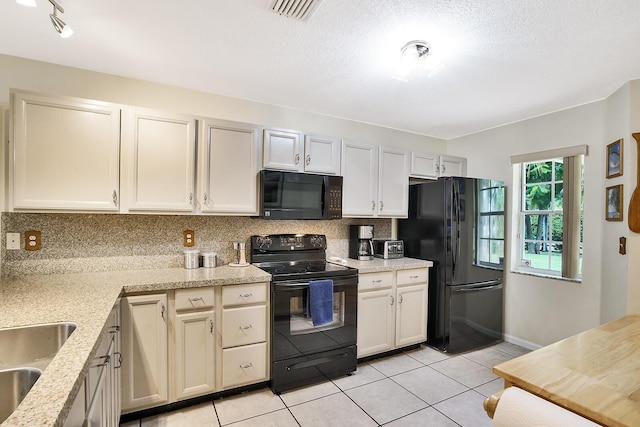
614	158
613	209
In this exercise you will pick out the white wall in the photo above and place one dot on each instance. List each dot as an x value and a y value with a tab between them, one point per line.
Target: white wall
631	170
539	311
614	270
20	73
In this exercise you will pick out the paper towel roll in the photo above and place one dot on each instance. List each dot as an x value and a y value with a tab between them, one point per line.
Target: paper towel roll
519	408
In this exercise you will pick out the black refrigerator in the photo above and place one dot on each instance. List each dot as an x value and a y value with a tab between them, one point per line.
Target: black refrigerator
459	224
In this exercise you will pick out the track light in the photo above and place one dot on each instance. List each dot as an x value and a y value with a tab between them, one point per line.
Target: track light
61	27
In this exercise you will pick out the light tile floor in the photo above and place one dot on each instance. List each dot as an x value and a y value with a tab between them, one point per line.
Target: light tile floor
420	387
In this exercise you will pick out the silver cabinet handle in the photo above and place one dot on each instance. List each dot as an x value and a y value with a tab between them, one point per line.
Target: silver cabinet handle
245	328
207	201
373	205
308	159
444	169
400	299
438	168
119	360
162	310
114	329
297	159
377	281
194	300
247	366
115	198
392	300
381	205
413	277
211	326
246	295
191	199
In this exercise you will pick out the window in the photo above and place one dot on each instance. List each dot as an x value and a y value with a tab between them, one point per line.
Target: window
550	222
490	223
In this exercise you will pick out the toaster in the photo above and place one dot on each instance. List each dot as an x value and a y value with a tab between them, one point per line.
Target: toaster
388	249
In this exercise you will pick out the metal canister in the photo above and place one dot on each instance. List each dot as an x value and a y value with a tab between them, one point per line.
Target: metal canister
208	259
191	258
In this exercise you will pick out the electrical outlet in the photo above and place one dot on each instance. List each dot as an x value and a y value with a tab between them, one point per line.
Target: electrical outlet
13	241
189	238
32	240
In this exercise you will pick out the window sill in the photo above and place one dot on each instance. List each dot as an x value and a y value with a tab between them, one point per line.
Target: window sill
546	276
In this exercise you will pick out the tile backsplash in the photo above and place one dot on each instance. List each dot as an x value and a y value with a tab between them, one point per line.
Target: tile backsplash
101	242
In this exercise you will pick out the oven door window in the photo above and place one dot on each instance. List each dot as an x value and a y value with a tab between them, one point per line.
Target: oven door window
300	315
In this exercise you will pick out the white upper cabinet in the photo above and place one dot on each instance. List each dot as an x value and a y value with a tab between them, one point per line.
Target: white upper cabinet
393	183
65	154
228	169
360	179
321	155
453	166
158	155
376	181
429	165
284	150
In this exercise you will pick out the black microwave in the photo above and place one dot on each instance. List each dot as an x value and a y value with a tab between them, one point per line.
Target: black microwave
293	195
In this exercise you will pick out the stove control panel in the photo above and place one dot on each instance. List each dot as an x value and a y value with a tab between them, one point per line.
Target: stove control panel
288	242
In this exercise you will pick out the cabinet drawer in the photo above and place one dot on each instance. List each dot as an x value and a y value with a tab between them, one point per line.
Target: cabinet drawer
410	277
243	325
380	280
244	294
244	365
194	298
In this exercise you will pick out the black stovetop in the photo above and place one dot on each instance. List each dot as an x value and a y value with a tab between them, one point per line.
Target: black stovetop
307	270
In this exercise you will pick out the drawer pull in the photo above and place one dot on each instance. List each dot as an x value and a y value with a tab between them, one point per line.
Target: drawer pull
247	366
249	295
244	328
377	281
211	327
107	360
194	300
118	359
114	329
400	299
392	300
413	277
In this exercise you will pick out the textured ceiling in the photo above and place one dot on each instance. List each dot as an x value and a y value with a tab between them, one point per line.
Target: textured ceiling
500	60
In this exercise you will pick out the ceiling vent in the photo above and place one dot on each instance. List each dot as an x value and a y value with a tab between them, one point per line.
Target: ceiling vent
297	9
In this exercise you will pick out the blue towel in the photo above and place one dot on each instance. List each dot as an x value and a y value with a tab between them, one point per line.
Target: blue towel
321	301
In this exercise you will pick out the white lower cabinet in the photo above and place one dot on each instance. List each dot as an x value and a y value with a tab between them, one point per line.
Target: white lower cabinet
392	310
144	350
192	342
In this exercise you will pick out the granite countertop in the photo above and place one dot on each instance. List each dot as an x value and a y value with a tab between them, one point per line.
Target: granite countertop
378	264
86	299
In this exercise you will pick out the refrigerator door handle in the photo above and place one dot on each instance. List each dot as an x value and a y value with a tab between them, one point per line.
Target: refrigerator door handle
491	285
455	206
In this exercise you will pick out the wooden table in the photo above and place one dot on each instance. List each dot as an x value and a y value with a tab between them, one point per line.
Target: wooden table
595	374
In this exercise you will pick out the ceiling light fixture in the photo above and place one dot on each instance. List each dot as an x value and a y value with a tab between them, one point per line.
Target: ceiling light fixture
411	55
61	27
30	3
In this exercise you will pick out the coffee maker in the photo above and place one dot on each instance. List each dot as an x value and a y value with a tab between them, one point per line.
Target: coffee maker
361	242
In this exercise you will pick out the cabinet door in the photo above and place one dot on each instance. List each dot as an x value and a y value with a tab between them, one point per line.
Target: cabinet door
321	155
158	156
393	186
411	315
65	154
453	166
360	180
195	350
376	322
282	150
144	351
78	410
424	165
228	173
